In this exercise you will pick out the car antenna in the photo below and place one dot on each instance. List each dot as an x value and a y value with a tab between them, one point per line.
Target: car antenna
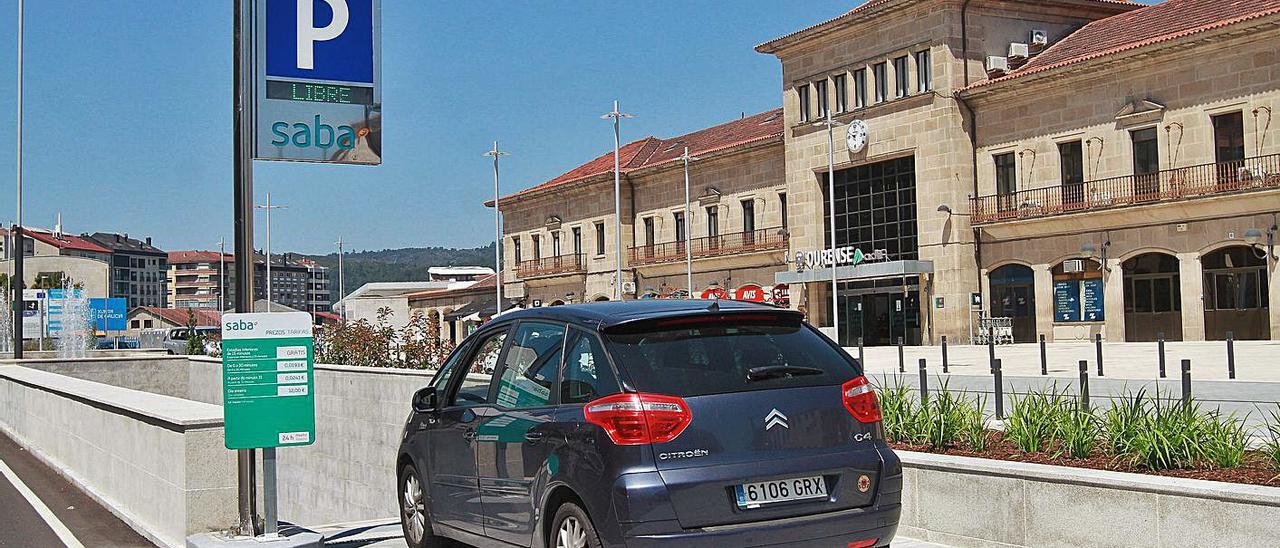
713	307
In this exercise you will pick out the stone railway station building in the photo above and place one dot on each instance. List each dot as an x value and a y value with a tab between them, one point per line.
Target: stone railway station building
1080	167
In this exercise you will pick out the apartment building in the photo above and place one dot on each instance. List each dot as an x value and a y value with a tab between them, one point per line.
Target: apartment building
138	269
1009	158
561	243
201	280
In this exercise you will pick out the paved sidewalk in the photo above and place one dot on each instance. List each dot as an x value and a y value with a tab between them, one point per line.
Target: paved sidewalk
1255	360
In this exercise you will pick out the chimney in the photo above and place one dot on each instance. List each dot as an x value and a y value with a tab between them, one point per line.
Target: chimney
148	240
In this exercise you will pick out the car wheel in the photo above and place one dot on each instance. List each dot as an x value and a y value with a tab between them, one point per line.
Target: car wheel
415	520
572	528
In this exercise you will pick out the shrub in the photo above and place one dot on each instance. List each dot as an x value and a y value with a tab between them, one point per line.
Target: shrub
1078	429
1169	436
943	416
898	409
1271	447
1225	440
974	425
1033	424
1123	420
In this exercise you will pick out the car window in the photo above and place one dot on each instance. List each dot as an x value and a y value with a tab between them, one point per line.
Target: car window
447	372
529	368
483	362
587	374
714	357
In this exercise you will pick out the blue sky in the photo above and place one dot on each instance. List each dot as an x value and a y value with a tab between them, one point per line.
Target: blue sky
128	114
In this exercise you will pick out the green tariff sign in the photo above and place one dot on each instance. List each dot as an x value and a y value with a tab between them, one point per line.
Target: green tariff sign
267	386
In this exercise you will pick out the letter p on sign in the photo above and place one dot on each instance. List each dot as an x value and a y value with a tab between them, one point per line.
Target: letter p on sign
308	34
328	40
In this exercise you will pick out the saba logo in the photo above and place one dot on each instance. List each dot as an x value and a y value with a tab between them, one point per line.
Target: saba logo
317	134
241	325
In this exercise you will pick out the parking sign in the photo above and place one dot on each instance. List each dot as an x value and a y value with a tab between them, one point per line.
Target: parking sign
317	91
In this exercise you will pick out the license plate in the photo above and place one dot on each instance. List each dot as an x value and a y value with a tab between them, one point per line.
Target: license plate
757	494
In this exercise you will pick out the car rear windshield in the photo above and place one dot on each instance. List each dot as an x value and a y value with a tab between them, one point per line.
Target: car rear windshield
721	355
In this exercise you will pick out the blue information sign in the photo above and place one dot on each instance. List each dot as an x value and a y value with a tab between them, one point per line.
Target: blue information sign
1093	301
321	40
1066	301
109	314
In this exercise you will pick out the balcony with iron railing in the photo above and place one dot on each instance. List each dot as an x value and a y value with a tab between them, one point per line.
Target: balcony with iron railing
558	265
766	239
1249	174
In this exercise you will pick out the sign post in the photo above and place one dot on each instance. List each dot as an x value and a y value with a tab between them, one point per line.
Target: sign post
267	389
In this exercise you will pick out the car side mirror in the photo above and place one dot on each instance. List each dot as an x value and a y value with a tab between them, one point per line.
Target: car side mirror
425	400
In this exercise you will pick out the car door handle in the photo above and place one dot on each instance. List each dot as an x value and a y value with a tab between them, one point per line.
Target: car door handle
533	437
469	435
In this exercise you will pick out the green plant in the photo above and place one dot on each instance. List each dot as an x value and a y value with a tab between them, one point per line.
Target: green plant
1171	435
1123	420
1225	440
943	415
974	425
1078	429
898	409
1033	424
1271	447
195	341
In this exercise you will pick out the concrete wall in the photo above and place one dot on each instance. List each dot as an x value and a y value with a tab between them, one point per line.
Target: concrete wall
158	462
961	501
164	375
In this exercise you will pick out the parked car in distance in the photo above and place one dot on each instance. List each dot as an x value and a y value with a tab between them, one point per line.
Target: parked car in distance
174	340
645	424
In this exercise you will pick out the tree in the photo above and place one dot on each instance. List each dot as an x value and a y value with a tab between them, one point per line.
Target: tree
195	341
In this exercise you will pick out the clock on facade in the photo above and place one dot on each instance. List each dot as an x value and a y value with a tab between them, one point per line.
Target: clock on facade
856	136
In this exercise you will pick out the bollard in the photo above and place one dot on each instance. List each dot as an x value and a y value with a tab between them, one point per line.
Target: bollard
1160	351
991	349
1097	341
944	355
999	380
1084	385
1044	359
860	360
924	382
1186	382
1231	355
902	364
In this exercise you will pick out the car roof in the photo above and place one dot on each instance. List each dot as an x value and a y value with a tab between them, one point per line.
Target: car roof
604	315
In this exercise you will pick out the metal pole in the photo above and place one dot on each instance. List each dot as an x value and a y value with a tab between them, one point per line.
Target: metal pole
617	115
1044	357
688	250
902	366
1186	382
924	381
999	386
19	242
243	217
268	207
831	191
991	346
222	275
497	226
1231	355
1097	342
1160	350
342	284
1084	385
861	359
945	369
270	516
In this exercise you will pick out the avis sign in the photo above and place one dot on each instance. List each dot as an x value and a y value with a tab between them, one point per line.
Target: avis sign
318	93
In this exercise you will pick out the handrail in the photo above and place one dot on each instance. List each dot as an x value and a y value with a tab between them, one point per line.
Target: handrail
710	246
1255	173
551	266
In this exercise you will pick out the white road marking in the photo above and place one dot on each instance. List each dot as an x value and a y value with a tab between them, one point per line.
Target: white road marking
47	515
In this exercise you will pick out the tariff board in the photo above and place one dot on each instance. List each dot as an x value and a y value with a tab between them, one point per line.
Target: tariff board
267	382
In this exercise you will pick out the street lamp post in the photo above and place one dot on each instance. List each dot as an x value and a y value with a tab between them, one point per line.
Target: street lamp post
342	284
268	207
19	244
617	115
497	226
688	249
222	275
831	203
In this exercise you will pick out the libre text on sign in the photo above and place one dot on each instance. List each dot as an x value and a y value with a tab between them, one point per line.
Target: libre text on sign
318	70
267	385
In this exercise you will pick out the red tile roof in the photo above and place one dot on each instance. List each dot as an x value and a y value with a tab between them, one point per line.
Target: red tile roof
187	257
1142	27
179	316
651	151
868	7
66	241
487	282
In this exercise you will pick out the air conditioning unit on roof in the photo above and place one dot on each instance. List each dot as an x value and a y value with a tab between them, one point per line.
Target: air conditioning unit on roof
996	65
1072	266
1018	51
1039	39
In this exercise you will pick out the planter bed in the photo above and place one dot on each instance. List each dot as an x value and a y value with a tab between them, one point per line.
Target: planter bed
1256	470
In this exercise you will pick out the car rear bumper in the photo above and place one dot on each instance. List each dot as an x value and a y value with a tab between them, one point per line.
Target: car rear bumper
834	529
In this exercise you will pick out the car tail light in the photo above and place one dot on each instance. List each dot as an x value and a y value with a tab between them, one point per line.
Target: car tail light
634	419
860	399
868	543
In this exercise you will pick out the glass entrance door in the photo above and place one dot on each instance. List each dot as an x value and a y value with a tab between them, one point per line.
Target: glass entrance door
880	315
